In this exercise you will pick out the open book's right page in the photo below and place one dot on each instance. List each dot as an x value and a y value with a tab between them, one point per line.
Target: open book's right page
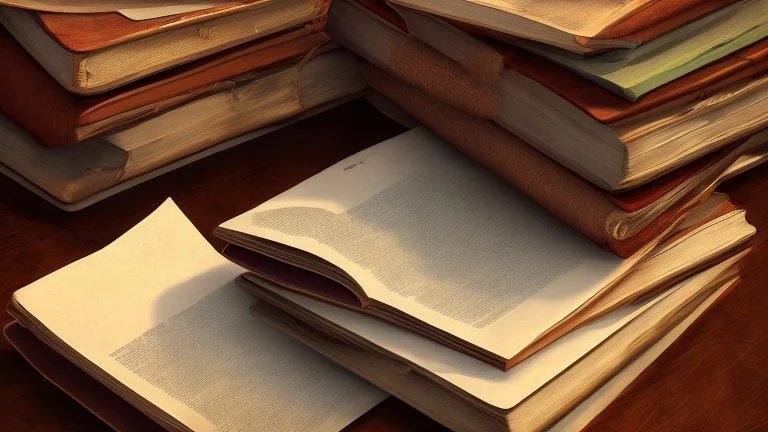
426	230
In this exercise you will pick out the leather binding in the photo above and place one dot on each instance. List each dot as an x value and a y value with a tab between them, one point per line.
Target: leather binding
582	205
28	90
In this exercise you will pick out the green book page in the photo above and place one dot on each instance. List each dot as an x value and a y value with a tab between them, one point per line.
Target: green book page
633	73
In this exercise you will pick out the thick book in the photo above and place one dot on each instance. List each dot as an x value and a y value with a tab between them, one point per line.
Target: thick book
413	232
581	27
636	72
561	388
174	338
122	185
29	90
613	143
620	222
69	48
258	100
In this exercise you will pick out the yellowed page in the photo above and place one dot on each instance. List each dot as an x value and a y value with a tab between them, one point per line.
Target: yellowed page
158	310
575	17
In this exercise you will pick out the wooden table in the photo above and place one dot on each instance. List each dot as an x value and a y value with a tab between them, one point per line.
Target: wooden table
715	378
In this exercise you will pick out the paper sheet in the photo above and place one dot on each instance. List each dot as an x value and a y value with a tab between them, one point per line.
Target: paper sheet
145	13
158	310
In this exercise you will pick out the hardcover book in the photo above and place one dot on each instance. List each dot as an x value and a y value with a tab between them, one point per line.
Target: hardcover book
621	222
75	118
250	102
606	139
84	58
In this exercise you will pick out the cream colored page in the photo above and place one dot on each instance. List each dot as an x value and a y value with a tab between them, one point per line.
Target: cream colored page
429	232
481	380
145	13
578	17
159	311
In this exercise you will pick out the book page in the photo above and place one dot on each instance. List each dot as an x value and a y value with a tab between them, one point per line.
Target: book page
158	310
145	13
577	17
426	230
485	382
94	6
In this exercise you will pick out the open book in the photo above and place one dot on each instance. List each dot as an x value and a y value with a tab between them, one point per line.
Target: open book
413	232
562	386
157	318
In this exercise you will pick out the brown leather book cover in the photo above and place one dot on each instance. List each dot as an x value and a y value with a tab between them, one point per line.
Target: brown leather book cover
87	391
577	202
28	89
90	32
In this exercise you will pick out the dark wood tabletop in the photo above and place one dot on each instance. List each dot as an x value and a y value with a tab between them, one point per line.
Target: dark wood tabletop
715	378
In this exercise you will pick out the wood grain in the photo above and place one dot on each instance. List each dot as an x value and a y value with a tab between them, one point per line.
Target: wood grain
713	379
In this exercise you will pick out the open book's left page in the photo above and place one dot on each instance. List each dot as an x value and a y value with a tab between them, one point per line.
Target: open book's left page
157	311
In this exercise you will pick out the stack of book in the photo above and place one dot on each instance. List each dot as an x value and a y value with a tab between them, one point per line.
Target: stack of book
524	287
616	169
93	103
512	265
